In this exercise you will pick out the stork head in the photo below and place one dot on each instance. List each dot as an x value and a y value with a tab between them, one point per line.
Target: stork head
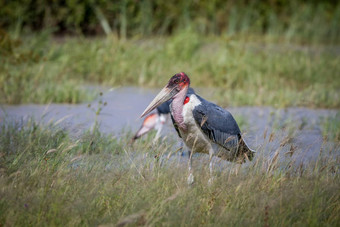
177	83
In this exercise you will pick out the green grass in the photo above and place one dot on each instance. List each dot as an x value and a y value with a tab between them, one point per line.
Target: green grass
244	71
26	74
48	178
331	128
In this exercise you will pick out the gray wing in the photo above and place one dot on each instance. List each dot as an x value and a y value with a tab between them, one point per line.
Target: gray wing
218	124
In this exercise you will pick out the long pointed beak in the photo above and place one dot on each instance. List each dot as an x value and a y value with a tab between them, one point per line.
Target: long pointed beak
164	95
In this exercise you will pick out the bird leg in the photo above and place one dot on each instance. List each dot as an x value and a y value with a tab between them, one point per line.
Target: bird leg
211	179
159	126
189	152
184	149
159	129
191	175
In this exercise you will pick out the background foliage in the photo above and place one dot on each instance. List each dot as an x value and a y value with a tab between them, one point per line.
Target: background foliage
294	19
271	52
41	69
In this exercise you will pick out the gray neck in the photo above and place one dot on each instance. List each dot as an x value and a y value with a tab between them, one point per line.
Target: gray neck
177	107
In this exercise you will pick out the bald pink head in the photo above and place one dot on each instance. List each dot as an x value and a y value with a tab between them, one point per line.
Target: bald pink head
179	80
177	86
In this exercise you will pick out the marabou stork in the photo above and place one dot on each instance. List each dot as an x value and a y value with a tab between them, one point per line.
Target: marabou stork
203	126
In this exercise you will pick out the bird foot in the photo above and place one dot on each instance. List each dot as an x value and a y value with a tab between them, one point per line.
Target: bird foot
190	179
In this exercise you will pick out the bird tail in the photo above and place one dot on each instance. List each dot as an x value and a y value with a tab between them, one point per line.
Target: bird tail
249	153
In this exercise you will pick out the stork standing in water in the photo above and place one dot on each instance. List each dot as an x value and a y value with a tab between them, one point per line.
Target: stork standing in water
203	126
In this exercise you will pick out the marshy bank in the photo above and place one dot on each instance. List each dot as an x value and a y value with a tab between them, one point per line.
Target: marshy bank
49	176
70	164
66	161
65	157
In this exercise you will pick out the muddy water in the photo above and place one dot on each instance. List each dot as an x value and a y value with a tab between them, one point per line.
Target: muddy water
264	128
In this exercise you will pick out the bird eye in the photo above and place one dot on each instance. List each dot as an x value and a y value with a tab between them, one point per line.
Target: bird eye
176	81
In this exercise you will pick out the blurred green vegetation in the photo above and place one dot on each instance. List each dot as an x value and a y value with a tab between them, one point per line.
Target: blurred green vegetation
331	128
25	73
49	179
298	20
279	53
40	68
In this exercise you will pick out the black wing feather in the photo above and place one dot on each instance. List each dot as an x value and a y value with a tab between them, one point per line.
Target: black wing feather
164	108
218	124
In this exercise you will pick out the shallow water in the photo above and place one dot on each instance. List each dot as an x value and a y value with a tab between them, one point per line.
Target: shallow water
123	108
264	128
